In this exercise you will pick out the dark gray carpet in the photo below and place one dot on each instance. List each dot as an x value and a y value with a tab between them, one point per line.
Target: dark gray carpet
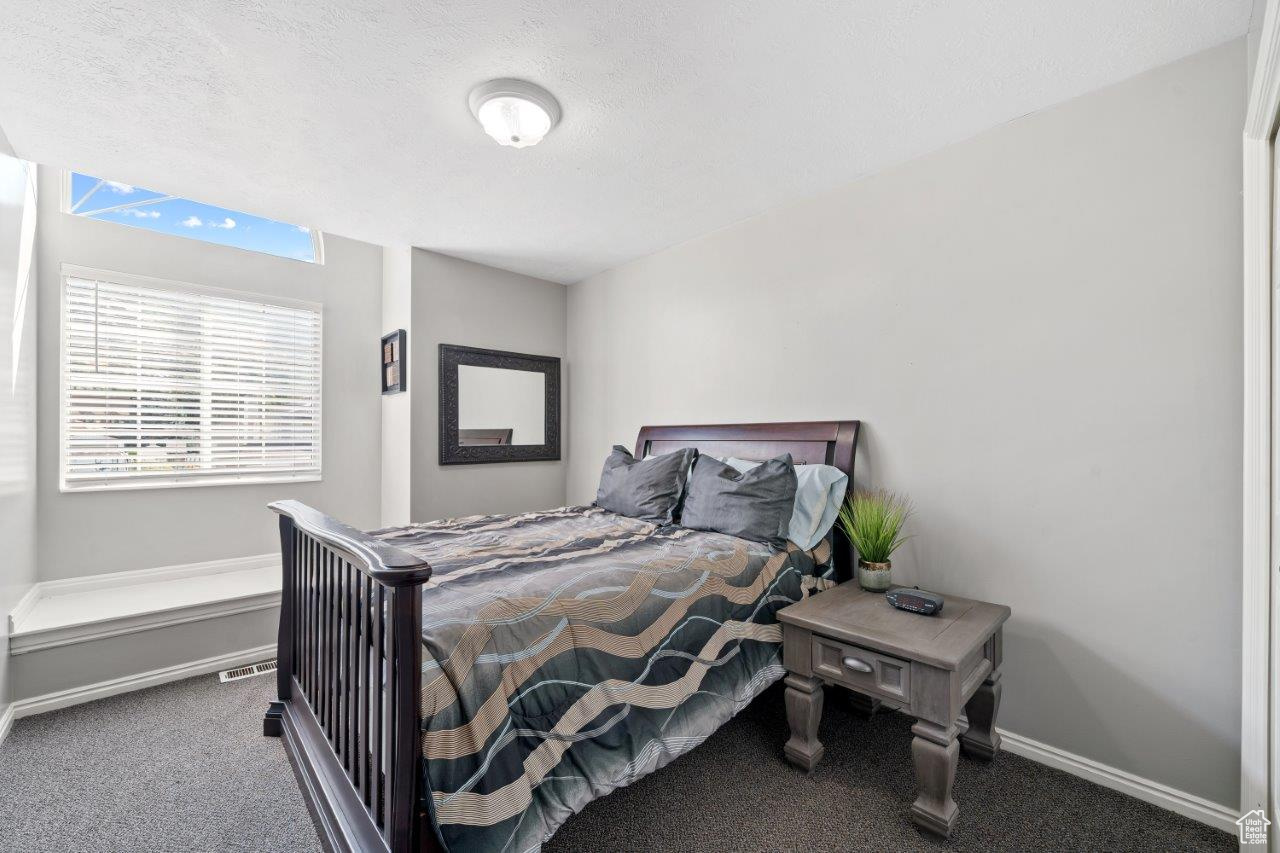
184	767
736	792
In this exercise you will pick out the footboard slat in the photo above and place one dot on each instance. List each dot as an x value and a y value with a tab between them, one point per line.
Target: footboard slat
335	657
388	722
330	622
322	634
345	650
294	567
302	600
339	658
350	681
379	730
313	570
349	666
307	680
406	621
313	628
322	631
362	717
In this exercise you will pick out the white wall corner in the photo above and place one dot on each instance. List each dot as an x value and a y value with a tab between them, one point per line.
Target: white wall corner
1253	38
23	608
397	313
7	717
1258	746
18	250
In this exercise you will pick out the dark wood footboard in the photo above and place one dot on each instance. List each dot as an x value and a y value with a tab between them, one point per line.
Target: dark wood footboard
349	682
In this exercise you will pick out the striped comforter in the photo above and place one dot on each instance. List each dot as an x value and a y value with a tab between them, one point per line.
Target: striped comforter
572	651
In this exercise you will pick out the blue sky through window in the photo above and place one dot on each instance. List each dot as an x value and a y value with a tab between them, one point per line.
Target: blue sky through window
129	205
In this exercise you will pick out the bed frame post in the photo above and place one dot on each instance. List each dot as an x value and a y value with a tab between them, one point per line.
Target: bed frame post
272	723
284	644
843	454
406	627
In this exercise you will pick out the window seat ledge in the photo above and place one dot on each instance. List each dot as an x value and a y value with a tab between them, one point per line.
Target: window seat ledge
79	610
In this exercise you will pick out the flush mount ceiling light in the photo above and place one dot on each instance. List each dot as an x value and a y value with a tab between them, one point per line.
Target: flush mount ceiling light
514	112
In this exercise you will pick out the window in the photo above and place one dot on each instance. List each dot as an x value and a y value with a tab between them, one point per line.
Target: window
126	204
167	384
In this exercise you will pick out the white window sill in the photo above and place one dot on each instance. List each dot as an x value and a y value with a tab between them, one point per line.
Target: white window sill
127	485
78	610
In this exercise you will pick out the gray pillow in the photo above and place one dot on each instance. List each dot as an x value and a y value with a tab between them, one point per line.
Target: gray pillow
648	489
755	504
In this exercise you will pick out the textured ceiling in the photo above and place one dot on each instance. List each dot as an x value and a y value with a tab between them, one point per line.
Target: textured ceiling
680	116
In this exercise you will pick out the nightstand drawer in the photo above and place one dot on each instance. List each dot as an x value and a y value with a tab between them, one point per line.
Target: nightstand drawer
862	669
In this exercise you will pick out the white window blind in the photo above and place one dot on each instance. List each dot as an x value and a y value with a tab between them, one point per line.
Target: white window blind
174	385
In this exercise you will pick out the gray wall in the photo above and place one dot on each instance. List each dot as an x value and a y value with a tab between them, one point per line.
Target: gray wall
17	396
1040	328
40	673
460	302
94	532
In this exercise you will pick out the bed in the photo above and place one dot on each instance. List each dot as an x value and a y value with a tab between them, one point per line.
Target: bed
469	684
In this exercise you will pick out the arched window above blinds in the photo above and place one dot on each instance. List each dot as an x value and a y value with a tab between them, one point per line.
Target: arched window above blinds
125	204
169	384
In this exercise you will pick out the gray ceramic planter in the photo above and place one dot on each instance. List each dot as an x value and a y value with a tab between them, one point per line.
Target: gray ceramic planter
875	577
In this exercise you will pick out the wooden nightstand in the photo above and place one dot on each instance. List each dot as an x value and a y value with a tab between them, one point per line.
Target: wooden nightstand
931	667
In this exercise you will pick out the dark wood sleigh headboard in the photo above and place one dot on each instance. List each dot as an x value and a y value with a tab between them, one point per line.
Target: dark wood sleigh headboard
808	442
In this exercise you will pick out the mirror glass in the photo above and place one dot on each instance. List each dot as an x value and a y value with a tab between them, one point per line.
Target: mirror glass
499	406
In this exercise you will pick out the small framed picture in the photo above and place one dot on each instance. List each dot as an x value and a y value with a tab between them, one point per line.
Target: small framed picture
394	368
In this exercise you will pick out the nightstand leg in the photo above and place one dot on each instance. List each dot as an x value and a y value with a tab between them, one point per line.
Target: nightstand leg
936	753
804	712
982	740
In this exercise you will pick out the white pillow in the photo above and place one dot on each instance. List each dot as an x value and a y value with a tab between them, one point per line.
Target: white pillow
819	492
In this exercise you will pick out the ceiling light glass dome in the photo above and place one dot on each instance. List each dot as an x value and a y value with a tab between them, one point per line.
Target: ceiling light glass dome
514	112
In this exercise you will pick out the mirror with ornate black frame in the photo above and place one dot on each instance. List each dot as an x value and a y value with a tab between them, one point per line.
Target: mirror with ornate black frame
498	406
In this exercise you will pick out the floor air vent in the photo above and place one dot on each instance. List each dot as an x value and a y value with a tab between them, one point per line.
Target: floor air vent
247	671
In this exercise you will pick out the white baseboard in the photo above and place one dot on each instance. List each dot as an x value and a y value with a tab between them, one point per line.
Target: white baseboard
1155	793
103	689
6	722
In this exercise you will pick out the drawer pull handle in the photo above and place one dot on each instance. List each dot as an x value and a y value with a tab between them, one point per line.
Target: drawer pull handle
857	664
